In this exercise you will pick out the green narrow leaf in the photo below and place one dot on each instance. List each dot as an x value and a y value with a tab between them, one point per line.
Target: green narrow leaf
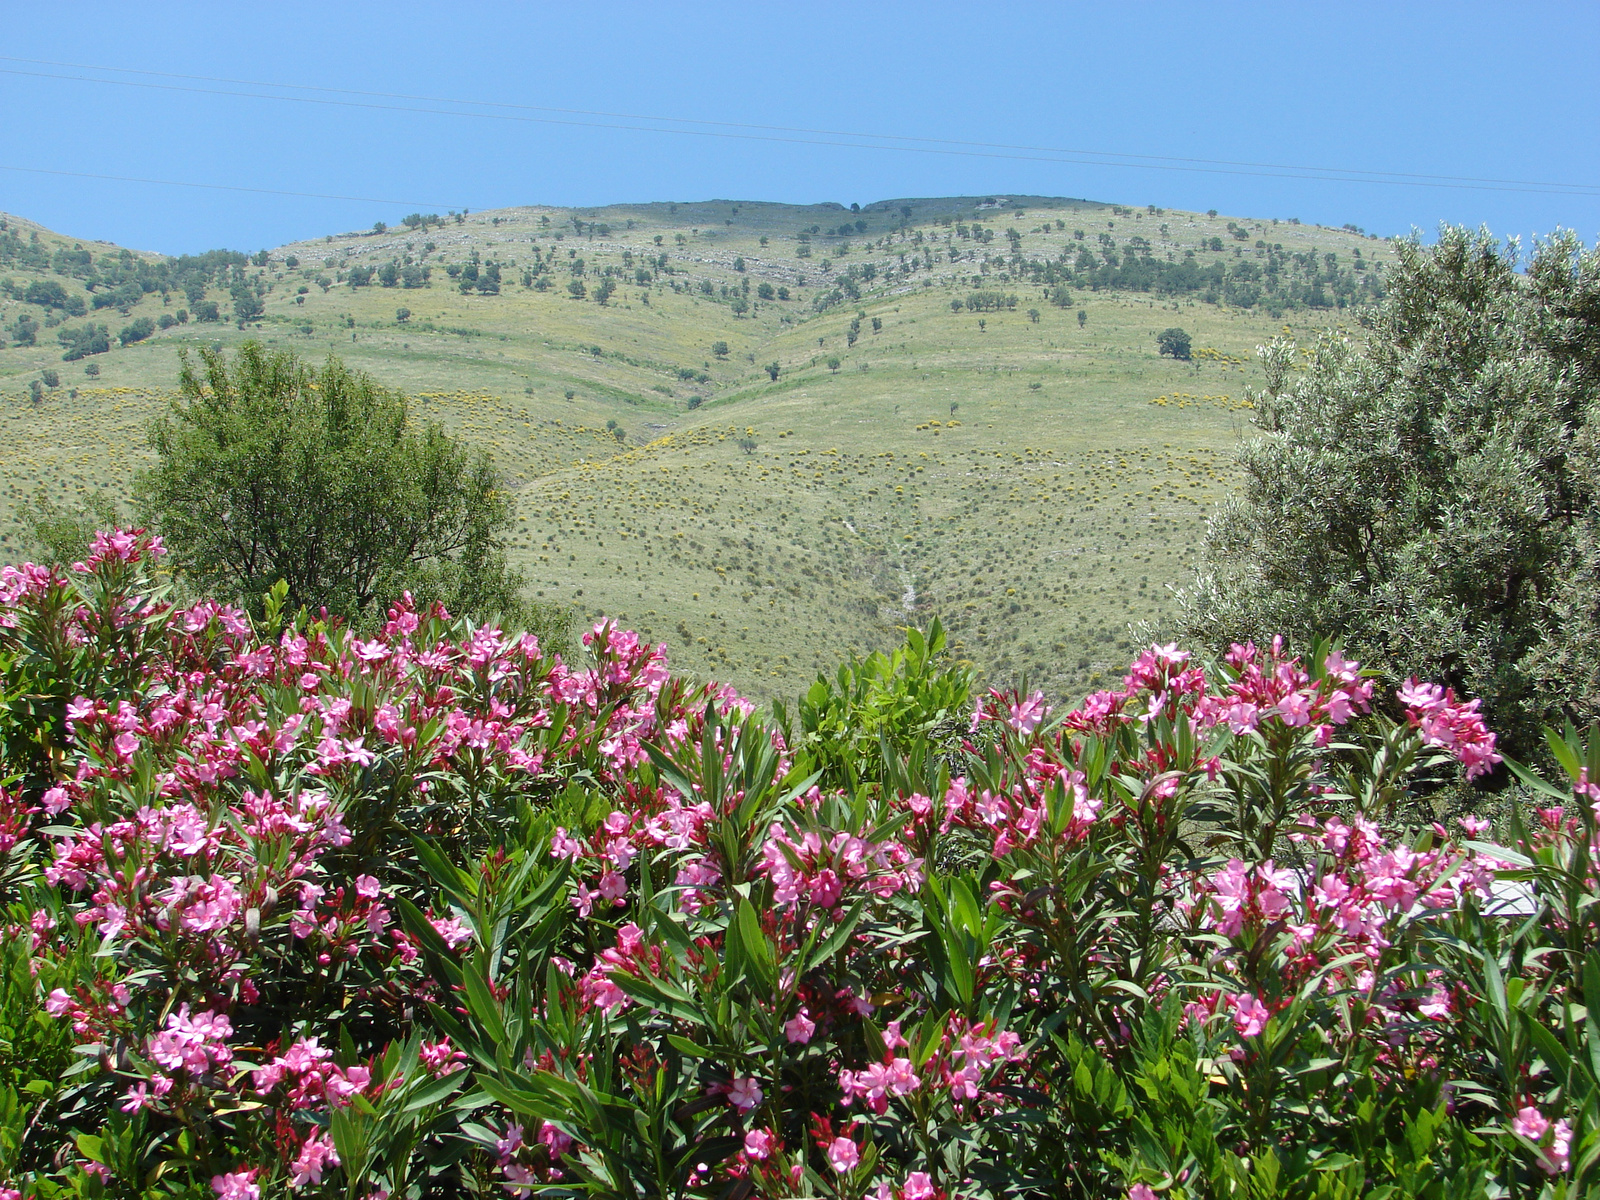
481	1002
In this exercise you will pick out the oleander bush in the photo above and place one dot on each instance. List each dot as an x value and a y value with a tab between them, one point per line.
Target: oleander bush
295	910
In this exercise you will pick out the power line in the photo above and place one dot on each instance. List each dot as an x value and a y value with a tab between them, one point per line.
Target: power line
1136	158
220	187
819	137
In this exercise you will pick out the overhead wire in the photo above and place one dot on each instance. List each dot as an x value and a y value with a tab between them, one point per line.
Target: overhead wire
794	135
221	187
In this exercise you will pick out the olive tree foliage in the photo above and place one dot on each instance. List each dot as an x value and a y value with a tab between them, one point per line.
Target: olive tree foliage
269	470
1429	493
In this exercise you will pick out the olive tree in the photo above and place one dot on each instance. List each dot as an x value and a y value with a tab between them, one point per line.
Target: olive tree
269	470
1431	492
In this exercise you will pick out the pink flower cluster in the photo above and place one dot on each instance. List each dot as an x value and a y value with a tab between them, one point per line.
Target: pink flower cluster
1451	725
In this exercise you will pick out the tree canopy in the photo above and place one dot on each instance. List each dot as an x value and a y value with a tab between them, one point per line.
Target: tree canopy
1430	493
269	470
1174	343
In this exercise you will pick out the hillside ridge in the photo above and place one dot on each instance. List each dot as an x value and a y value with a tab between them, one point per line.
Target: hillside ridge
766	434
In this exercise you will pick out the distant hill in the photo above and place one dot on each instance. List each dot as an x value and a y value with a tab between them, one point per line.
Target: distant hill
767	434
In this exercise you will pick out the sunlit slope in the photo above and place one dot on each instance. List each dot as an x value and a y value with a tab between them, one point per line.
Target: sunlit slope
1034	480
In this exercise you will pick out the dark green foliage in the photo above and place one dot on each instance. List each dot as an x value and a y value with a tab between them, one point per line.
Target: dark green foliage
991	301
1433	495
269	470
136	331
47	293
24	331
207	310
83	341
1174	343
247	303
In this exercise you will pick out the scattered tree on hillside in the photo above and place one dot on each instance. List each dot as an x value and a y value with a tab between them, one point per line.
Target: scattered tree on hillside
268	470
1174	343
136	331
1432	494
720	349
772	369
83	341
24	331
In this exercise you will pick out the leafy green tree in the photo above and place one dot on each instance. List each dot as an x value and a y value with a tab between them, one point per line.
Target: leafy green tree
267	470
720	349
57	535
83	341
772	369
1083	317
833	364
1432	494
24	331
1174	343
247	305
136	331
52	379
402	315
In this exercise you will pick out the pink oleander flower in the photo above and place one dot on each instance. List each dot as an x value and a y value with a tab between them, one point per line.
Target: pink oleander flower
1530	1123
1141	1191
759	1143
799	1028
918	1186
843	1154
744	1094
441	1058
451	930
315	1156
1249	1014
237	1185
1556	1158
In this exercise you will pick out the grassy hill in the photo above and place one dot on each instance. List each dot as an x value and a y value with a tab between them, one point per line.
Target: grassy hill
1036	473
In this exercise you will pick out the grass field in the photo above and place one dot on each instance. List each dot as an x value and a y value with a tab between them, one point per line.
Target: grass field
1036	482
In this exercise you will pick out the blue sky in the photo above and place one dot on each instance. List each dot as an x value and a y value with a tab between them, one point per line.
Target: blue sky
1485	91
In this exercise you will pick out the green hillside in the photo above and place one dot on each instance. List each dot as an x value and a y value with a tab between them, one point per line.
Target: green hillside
1029	468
